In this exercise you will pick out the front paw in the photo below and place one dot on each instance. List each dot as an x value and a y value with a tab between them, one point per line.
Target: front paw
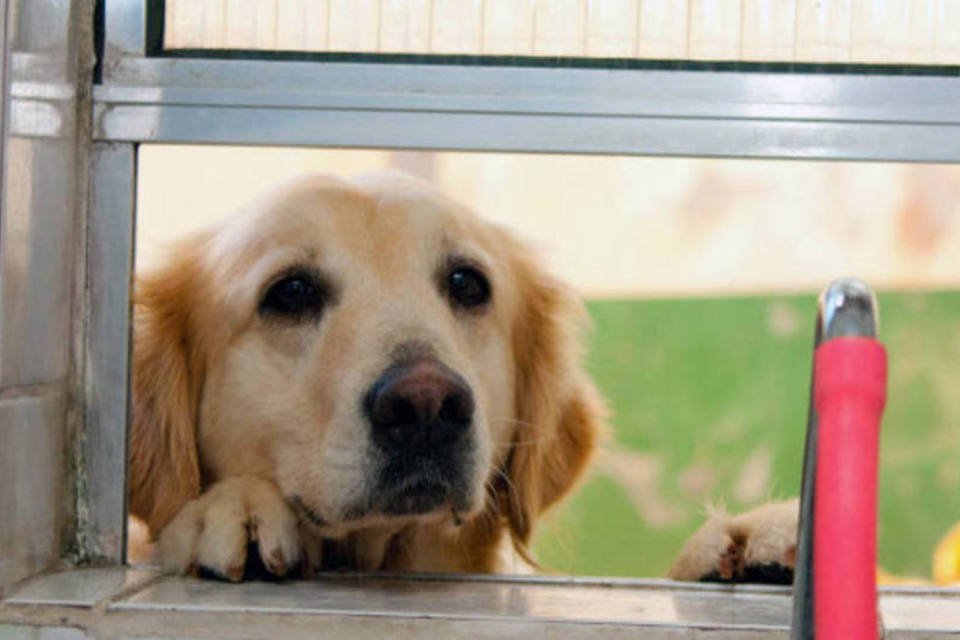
214	532
757	546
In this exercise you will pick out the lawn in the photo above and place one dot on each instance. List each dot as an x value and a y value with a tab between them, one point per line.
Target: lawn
710	400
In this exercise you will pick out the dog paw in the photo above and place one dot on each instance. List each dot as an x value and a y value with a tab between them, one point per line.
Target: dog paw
239	527
758	546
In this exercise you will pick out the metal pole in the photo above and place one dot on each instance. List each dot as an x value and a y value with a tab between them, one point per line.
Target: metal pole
846	308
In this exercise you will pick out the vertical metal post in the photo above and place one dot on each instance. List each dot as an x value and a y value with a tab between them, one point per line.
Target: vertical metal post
109	279
846	308
46	116
125	27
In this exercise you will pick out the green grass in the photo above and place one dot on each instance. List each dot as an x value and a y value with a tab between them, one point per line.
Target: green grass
706	388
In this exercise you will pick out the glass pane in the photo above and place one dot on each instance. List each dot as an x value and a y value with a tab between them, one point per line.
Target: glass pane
700	276
916	32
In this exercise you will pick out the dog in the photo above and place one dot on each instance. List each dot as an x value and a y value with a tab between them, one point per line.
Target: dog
759	546
354	374
364	374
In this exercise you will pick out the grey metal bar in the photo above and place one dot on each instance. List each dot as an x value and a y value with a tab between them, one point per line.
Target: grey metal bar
846	308
526	133
109	276
801	621
610	92
682	113
125	29
41	258
39	108
119	602
5	63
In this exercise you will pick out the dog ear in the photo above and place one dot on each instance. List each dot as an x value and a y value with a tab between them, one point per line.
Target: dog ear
167	376
560	415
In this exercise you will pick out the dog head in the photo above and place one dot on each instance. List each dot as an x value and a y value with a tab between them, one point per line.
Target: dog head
376	350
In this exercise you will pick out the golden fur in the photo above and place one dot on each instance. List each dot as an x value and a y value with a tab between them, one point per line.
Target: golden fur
234	416
237	418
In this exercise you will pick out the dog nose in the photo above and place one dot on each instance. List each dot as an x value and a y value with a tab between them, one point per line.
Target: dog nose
419	403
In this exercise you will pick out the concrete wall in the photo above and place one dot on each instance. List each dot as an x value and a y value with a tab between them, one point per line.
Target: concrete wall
39	244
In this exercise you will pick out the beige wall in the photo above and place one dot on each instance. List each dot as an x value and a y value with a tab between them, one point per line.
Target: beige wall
618	226
888	31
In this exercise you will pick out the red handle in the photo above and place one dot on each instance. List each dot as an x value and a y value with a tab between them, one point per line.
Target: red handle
850	380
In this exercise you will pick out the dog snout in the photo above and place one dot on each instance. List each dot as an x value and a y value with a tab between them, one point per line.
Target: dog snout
420	403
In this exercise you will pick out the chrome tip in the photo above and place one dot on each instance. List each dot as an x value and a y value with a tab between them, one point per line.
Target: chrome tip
847	308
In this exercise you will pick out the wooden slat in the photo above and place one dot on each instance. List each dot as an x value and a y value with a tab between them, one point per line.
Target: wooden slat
662	30
823	30
868	31
768	30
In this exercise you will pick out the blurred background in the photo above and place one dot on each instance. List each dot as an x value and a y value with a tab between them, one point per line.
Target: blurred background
701	275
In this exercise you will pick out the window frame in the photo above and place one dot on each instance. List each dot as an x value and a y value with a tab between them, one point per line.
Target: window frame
139	99
827	112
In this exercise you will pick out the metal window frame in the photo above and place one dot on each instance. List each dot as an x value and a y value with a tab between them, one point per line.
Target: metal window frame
142	99
832	116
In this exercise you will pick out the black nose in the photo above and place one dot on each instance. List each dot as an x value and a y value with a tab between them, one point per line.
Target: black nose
418	403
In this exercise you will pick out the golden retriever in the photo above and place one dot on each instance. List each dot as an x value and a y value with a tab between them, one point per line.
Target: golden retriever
357	374
365	374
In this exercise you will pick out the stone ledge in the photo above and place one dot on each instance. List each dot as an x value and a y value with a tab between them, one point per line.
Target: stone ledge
128	602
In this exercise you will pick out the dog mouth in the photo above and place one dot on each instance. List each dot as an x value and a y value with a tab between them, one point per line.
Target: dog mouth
428	489
423	484
417	496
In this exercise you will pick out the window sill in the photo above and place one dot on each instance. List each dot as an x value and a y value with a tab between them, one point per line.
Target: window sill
136	601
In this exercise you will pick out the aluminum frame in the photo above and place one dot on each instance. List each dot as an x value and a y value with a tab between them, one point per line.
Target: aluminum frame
42	258
119	602
143	99
832	116
648	112
598	111
109	274
430	106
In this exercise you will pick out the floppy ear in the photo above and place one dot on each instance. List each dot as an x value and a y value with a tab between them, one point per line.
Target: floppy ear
560	415
167	373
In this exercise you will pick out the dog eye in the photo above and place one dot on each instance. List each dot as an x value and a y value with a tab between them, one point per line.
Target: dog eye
468	287
294	296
